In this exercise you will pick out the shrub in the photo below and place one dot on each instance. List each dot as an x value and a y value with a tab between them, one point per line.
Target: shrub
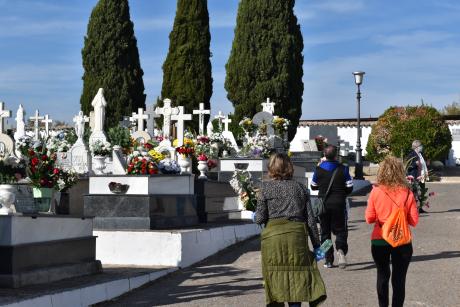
399	126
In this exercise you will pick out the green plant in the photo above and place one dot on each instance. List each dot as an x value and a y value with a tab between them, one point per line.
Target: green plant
399	126
266	61
7	172
187	78
120	136
111	61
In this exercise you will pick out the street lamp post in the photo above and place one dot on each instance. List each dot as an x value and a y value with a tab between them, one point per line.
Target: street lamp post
358	162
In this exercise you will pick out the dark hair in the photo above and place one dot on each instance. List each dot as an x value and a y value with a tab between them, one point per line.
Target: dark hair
280	167
330	152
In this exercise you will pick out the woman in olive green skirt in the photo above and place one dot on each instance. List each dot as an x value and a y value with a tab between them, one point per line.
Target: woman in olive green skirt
288	266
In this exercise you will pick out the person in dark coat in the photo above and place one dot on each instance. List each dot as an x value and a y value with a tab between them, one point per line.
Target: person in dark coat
417	169
335	218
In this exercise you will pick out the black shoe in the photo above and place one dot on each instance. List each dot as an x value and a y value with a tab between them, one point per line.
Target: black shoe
420	210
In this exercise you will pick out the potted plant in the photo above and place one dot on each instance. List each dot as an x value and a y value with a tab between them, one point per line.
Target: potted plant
185	152
43	175
202	166
67	179
140	163
100	150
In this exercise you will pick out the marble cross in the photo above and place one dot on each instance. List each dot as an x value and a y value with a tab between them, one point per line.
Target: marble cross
36	120
167	111
201	113
140	117
220	116
151	121
226	121
3	114
180	119
268	106
47	121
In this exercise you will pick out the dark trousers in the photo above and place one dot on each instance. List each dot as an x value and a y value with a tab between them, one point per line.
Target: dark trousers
335	221
282	304
400	258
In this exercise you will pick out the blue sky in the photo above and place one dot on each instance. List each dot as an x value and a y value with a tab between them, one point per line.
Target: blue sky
409	50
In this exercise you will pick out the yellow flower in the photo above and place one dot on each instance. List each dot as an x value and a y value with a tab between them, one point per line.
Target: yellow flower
156	156
289	153
175	143
188	142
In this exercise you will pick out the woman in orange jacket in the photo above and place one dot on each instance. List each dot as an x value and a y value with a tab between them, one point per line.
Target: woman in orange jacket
390	191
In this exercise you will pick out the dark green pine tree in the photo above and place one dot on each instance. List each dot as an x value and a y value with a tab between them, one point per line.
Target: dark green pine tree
111	61
187	79
266	60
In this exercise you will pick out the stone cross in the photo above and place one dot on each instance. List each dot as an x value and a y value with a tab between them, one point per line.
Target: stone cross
20	124
99	104
3	114
80	121
220	117
268	106
226	121
201	113
151	121
167	111
47	121
140	117
36	120
180	119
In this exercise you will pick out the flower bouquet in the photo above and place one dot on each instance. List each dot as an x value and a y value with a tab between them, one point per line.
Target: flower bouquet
280	124
242	184
41	168
140	164
186	150
100	148
168	166
248	126
57	144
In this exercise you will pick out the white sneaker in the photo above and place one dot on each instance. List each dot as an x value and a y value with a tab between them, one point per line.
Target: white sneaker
342	262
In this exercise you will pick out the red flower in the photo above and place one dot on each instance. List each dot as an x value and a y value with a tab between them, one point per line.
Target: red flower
148	146
44	157
34	161
202	157
31	152
56	171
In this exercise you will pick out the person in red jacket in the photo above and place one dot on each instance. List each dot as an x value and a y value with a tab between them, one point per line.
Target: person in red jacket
392	187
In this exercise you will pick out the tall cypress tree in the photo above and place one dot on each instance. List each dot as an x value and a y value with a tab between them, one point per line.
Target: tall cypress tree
111	61
187	79
266	60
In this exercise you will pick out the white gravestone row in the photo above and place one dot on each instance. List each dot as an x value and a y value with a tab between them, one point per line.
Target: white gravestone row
6	143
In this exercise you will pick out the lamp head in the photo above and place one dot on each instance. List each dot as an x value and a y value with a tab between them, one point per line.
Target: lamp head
359	77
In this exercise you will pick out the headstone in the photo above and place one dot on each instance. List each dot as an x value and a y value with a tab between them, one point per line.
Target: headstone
151	121
310	145
167	111
20	124
140	117
6	146
180	119
268	106
141	136
264	118
220	116
209	128
4	114
166	147
201	113
47	121
36	120
64	160
80	158
99	104
119	164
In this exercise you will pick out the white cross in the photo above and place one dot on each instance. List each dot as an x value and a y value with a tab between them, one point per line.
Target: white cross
180	118
140	117
201	112
3	114
268	106
151	122
167	111
220	117
36	119
47	121
226	121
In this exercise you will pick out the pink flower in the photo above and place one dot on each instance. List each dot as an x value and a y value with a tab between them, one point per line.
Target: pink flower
410	178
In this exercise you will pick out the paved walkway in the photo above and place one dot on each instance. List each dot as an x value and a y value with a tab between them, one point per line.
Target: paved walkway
233	278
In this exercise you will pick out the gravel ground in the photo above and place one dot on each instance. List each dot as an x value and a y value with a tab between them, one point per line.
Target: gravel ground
233	277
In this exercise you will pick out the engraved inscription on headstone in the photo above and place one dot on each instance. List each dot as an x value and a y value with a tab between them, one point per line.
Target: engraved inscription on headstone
80	159
455	134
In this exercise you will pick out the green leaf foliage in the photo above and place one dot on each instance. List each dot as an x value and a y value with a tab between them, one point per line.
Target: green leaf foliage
119	136
111	61
187	79
399	126
266	60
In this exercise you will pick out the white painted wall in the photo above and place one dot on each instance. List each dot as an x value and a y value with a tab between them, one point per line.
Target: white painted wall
302	135
455	151
167	248
350	135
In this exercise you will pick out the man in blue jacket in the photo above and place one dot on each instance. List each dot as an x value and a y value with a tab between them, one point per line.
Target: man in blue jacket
334	220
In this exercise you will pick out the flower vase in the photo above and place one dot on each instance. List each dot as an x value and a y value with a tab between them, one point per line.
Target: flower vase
62	200
43	197
99	165
7	198
203	168
184	163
